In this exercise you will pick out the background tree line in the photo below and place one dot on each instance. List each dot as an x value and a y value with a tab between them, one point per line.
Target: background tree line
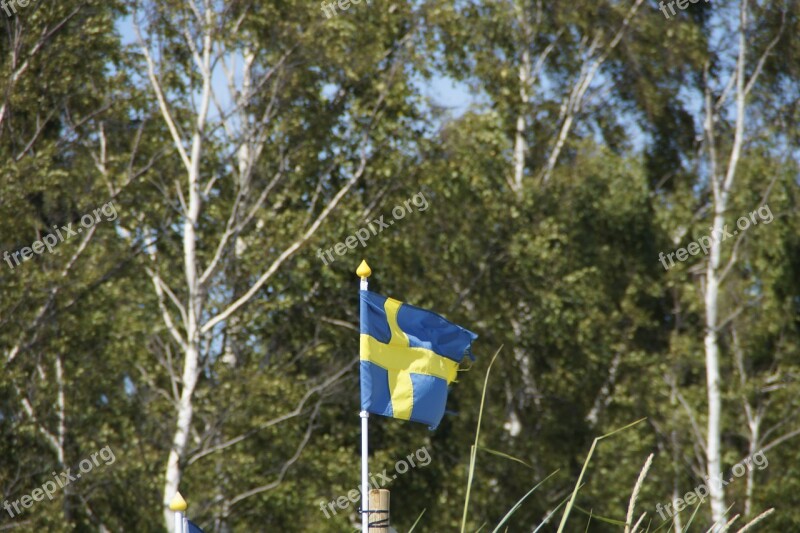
200	337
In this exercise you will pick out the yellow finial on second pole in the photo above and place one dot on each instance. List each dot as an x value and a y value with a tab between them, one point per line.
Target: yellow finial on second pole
364	271
178	504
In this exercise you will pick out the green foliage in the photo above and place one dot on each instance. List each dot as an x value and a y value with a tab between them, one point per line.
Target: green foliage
565	274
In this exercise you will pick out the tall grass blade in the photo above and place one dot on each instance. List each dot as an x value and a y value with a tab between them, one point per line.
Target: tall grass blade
474	447
519	502
583	471
417	520
715	524
694	514
550	515
606	519
505	456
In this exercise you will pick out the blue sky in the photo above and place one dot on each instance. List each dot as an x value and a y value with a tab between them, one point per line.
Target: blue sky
449	93
441	90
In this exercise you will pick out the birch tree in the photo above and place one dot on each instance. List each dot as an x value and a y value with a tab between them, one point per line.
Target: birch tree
722	176
544	69
44	127
200	335
228	138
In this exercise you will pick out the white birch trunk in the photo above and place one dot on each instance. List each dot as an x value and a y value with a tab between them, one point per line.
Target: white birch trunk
755	437
721	188
519	140
574	102
711	298
194	305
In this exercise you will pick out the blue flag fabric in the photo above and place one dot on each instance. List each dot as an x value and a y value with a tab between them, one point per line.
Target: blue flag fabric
409	356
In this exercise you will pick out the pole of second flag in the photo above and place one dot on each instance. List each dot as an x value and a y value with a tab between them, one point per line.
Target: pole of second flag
364	272
178	506
364	471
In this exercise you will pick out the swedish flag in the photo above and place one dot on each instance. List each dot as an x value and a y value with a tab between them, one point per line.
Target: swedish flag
409	356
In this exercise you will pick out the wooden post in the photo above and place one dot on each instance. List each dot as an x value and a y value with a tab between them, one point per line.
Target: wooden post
379	511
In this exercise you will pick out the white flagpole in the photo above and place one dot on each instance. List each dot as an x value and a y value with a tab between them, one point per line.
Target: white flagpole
364	471
364	272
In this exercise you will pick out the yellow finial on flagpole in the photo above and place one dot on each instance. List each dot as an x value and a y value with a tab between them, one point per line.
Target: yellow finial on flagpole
178	504
364	271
